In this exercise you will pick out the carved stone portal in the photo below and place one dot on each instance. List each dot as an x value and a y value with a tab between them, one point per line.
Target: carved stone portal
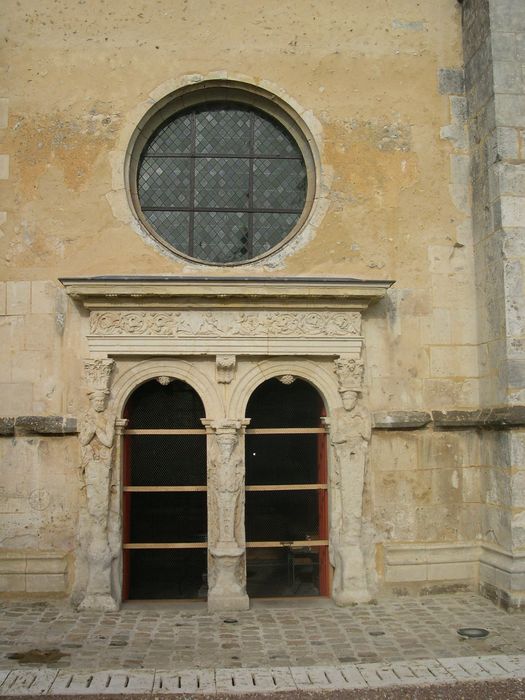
226	565
97	436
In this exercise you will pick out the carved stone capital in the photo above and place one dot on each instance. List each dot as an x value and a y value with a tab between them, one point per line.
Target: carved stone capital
349	371
97	374
225	368
226	425
120	425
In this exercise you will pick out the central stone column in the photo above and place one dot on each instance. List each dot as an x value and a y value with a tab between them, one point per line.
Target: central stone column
226	538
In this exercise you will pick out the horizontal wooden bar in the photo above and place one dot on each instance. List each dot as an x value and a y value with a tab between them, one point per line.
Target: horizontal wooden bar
162	489
285	431
165	545
295	543
165	431
287	487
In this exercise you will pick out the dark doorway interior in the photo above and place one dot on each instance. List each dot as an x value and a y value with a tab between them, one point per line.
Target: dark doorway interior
165	514
286	491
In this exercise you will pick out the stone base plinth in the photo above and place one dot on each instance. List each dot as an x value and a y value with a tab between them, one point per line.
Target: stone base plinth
99	601
235	603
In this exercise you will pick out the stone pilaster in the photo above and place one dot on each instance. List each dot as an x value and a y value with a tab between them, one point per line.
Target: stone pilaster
97	438
226	538
494	55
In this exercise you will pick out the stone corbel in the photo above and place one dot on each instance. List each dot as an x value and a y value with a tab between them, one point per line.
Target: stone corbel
226	540
225	368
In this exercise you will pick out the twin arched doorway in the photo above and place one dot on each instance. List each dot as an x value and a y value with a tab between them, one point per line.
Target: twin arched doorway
165	492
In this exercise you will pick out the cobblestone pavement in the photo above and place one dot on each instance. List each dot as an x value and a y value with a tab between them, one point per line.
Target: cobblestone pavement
287	633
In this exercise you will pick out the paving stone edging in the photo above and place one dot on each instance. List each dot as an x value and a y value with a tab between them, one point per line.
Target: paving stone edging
45	681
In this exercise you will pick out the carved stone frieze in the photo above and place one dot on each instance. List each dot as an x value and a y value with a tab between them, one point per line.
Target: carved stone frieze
226	324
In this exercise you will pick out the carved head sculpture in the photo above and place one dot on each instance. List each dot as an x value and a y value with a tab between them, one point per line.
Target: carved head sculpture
226	443
349	398
97	399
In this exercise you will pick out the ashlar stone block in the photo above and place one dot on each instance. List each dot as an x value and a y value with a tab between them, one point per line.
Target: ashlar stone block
18	298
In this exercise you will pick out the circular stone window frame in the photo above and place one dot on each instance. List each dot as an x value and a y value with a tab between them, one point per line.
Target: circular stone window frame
215	90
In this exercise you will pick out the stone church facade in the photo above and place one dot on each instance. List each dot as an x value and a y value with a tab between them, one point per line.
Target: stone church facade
210	205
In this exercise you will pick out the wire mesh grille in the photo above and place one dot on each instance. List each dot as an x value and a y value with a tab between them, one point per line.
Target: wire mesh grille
277	405
272	571
229	167
167	460
283	516
167	573
282	459
168	517
154	405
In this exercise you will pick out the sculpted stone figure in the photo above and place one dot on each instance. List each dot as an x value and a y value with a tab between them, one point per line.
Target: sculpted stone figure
350	429
227	477
227	585
96	436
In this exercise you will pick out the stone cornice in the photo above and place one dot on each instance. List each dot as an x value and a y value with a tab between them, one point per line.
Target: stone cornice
224	292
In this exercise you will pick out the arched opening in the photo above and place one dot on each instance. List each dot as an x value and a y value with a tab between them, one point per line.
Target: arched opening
164	493
286	491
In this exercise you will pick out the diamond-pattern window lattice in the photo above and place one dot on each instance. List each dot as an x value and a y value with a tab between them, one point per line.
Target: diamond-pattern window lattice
270	229
223	131
273	140
279	184
165	182
222	183
221	236
172	226
173	137
233	160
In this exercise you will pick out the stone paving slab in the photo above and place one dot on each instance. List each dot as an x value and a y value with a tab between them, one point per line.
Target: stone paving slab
102	682
426	672
271	634
187	681
28	682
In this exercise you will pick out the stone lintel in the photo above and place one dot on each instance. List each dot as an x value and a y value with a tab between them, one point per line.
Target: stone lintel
45	425
400	420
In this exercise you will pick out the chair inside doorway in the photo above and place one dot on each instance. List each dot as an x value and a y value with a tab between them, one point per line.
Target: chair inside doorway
286	491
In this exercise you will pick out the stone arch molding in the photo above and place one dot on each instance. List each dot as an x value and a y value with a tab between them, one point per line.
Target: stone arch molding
323	379
145	370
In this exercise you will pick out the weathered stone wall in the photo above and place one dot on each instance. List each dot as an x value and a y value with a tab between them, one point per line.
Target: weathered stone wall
494	50
381	88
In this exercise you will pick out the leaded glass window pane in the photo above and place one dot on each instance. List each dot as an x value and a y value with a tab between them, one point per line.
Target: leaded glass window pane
223	131
220	236
165	182
221	182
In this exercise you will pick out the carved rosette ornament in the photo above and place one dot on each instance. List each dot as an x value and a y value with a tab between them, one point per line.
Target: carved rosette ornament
97	436
226	542
350	430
